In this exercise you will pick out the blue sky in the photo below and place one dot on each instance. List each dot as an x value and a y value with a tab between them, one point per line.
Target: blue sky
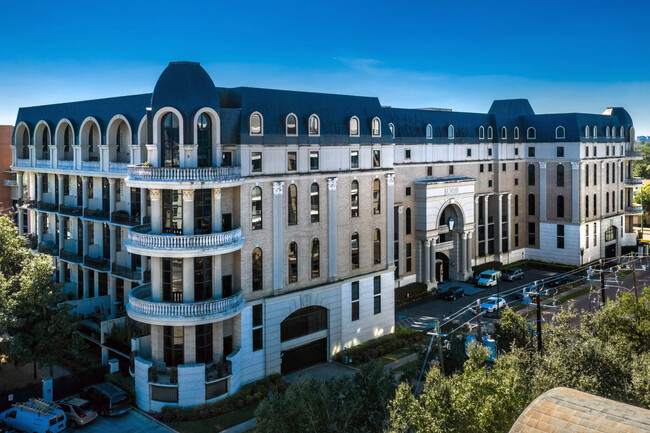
564	56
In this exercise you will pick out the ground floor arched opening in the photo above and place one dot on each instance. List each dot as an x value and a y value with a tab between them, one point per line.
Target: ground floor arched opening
442	267
298	326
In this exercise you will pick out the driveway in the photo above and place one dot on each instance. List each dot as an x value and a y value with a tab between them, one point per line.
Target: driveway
131	422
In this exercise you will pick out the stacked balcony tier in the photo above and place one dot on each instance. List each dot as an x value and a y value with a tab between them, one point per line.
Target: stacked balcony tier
142	176
142	241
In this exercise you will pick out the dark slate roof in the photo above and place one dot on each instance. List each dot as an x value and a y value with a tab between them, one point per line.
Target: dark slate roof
187	87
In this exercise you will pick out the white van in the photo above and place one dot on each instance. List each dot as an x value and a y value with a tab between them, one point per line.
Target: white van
36	415
488	278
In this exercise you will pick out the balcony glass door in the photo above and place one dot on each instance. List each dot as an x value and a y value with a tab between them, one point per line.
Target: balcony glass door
172	280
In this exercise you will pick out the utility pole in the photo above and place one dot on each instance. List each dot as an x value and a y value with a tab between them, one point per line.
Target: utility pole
540	347
479	335
441	357
417	385
603	298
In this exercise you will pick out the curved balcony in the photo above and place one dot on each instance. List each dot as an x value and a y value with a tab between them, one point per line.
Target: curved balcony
142	241
634	210
183	177
140	307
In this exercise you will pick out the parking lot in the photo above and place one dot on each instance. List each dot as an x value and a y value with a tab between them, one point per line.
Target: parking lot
131	422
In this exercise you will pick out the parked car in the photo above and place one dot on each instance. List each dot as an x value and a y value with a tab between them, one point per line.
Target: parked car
489	278
108	399
35	415
453	292
513	274
558	281
4	428
491	304
78	411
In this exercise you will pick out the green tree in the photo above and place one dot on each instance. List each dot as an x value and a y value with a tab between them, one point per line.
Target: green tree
34	315
349	404
642	168
512	330
642	197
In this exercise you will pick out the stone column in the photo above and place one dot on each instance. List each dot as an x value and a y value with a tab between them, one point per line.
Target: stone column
217	284
486	200
390	217
111	197
113	242
112	292
39	227
189	344
432	263
575	192
84	192
84	228
332	220
188	212
476	220
19	182
508	221
468	252
21	222
61	232
60	178
542	191
86	273
499	225
143	204
156	211
400	240
216	210
462	266
156	279
278	236
188	280
426	263
39	186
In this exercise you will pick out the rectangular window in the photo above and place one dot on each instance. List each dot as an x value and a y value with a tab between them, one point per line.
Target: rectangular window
586	151
586	174
256	162
313	160
516	235
469	151
203	340
226	159
595	151
377	294
408	257
531	234
66	185
560	236
480	168
503	167
531	152
451	169
595	175
292	161
489	167
376	158
408	190
490	183
355	300
559	151
516	181
258	321
407	153
595	235
587	236
429	171
489	151
354	159
516	151
606	150
516	166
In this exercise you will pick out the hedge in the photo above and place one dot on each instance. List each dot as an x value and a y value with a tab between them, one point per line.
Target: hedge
381	346
248	394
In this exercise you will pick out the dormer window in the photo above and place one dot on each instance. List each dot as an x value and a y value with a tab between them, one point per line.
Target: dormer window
490	133
314	125
559	132
595	134
392	129
586	132
481	133
376	127
614	132
429	132
504	133
256	125
292	124
516	133
607	132
622	133
450	132
354	127
531	133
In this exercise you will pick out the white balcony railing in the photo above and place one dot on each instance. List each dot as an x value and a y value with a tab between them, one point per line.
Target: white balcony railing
119	167
141	237
185	174
22	162
65	164
140	303
43	163
90	165
636	210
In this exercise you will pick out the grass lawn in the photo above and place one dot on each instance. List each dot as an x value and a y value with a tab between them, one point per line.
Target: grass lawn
217	423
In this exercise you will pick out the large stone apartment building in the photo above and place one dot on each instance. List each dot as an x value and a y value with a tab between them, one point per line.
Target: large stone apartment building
258	231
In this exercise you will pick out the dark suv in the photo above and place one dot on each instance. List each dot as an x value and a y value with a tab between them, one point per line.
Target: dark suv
453	292
107	398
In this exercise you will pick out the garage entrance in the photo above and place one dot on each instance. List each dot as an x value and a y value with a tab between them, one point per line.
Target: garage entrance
304	356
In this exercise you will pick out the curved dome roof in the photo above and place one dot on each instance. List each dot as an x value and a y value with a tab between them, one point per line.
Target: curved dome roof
185	86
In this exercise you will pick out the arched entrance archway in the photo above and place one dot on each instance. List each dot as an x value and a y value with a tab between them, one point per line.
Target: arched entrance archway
442	267
307	321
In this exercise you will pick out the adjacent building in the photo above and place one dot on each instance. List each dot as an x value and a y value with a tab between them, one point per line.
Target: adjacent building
257	231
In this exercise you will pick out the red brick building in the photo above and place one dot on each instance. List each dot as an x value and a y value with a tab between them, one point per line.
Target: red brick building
6	177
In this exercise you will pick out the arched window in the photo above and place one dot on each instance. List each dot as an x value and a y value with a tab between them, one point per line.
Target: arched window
613	132
392	129
408	220
560	175
516	205
169	134
620	200
560	133
118	138
204	140
376	127
354	198
595	205
25	149
607	132
481	133
315	258
354	250
46	143
256	208
354	127
490	134
531	204
560	206
613	201
257	269
504	133
314	125
305	321
450	132
67	139
622	133
607	202
631	136
292	125
429	131
91	138
610	233
586	132
595	132
376	197
587	206
531	133
256	125
292	203
315	202
531	174
376	243
293	262
516	133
